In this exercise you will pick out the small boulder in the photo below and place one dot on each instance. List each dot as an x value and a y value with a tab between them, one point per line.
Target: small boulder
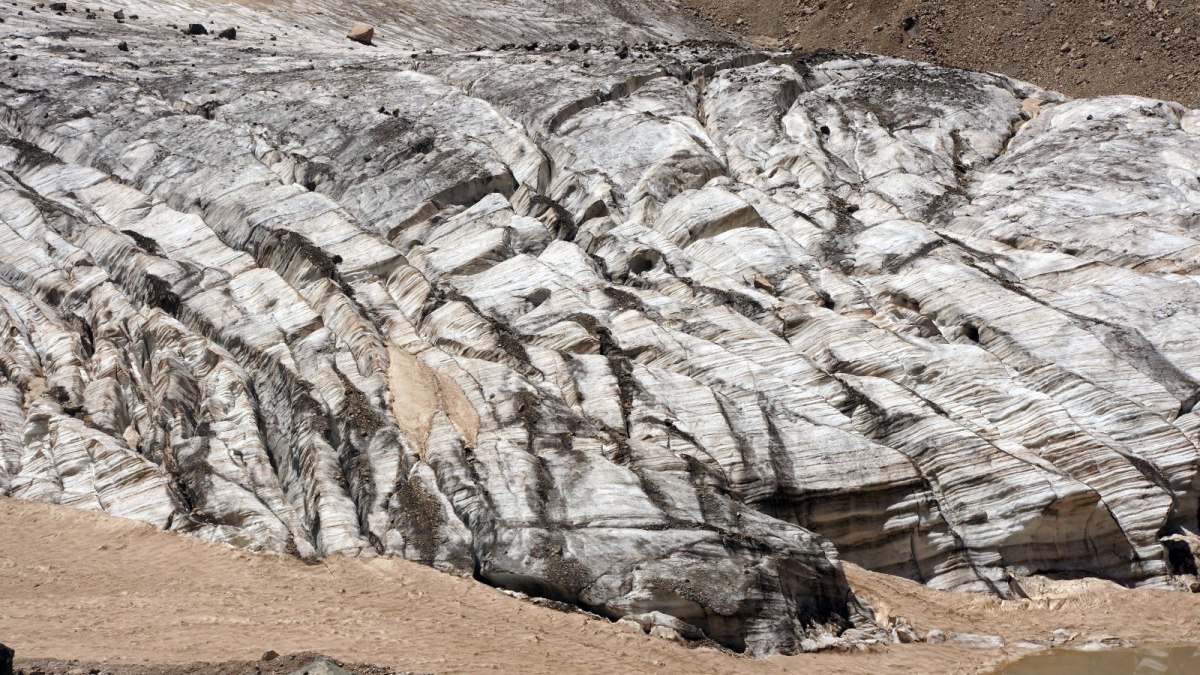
630	626
6	660
270	655
763	284
820	643
362	33
1102	642
903	632
1061	636
666	633
58	7
123	46
935	637
119	15
228	34
196	29
573	44
858	636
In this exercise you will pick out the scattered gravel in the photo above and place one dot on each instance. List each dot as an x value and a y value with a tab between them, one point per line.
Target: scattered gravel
1092	48
277	665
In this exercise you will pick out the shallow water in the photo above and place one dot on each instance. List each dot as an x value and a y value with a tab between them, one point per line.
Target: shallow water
1139	661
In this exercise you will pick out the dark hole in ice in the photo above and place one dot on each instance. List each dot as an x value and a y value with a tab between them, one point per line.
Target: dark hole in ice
641	263
537	297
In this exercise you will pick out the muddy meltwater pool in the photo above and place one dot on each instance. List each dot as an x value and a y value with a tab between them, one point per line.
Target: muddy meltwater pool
1135	661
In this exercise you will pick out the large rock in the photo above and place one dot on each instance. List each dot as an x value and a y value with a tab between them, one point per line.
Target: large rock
361	32
661	337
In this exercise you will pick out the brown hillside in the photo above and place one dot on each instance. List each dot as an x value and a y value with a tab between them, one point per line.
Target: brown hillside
1080	47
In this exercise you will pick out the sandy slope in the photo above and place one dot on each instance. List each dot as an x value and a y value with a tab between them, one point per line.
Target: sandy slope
80	585
1080	47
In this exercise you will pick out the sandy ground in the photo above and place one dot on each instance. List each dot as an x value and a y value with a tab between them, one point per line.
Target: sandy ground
1080	47
81	585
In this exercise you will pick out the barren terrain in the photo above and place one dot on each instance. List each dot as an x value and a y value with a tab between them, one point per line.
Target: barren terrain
1082	48
79	585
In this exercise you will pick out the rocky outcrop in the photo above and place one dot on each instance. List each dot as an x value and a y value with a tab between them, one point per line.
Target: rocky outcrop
667	331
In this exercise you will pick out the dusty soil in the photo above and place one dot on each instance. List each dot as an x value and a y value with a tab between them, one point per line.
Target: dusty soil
1079	47
271	664
122	597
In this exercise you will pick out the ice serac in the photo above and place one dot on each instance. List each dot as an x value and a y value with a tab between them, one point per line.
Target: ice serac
661	331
